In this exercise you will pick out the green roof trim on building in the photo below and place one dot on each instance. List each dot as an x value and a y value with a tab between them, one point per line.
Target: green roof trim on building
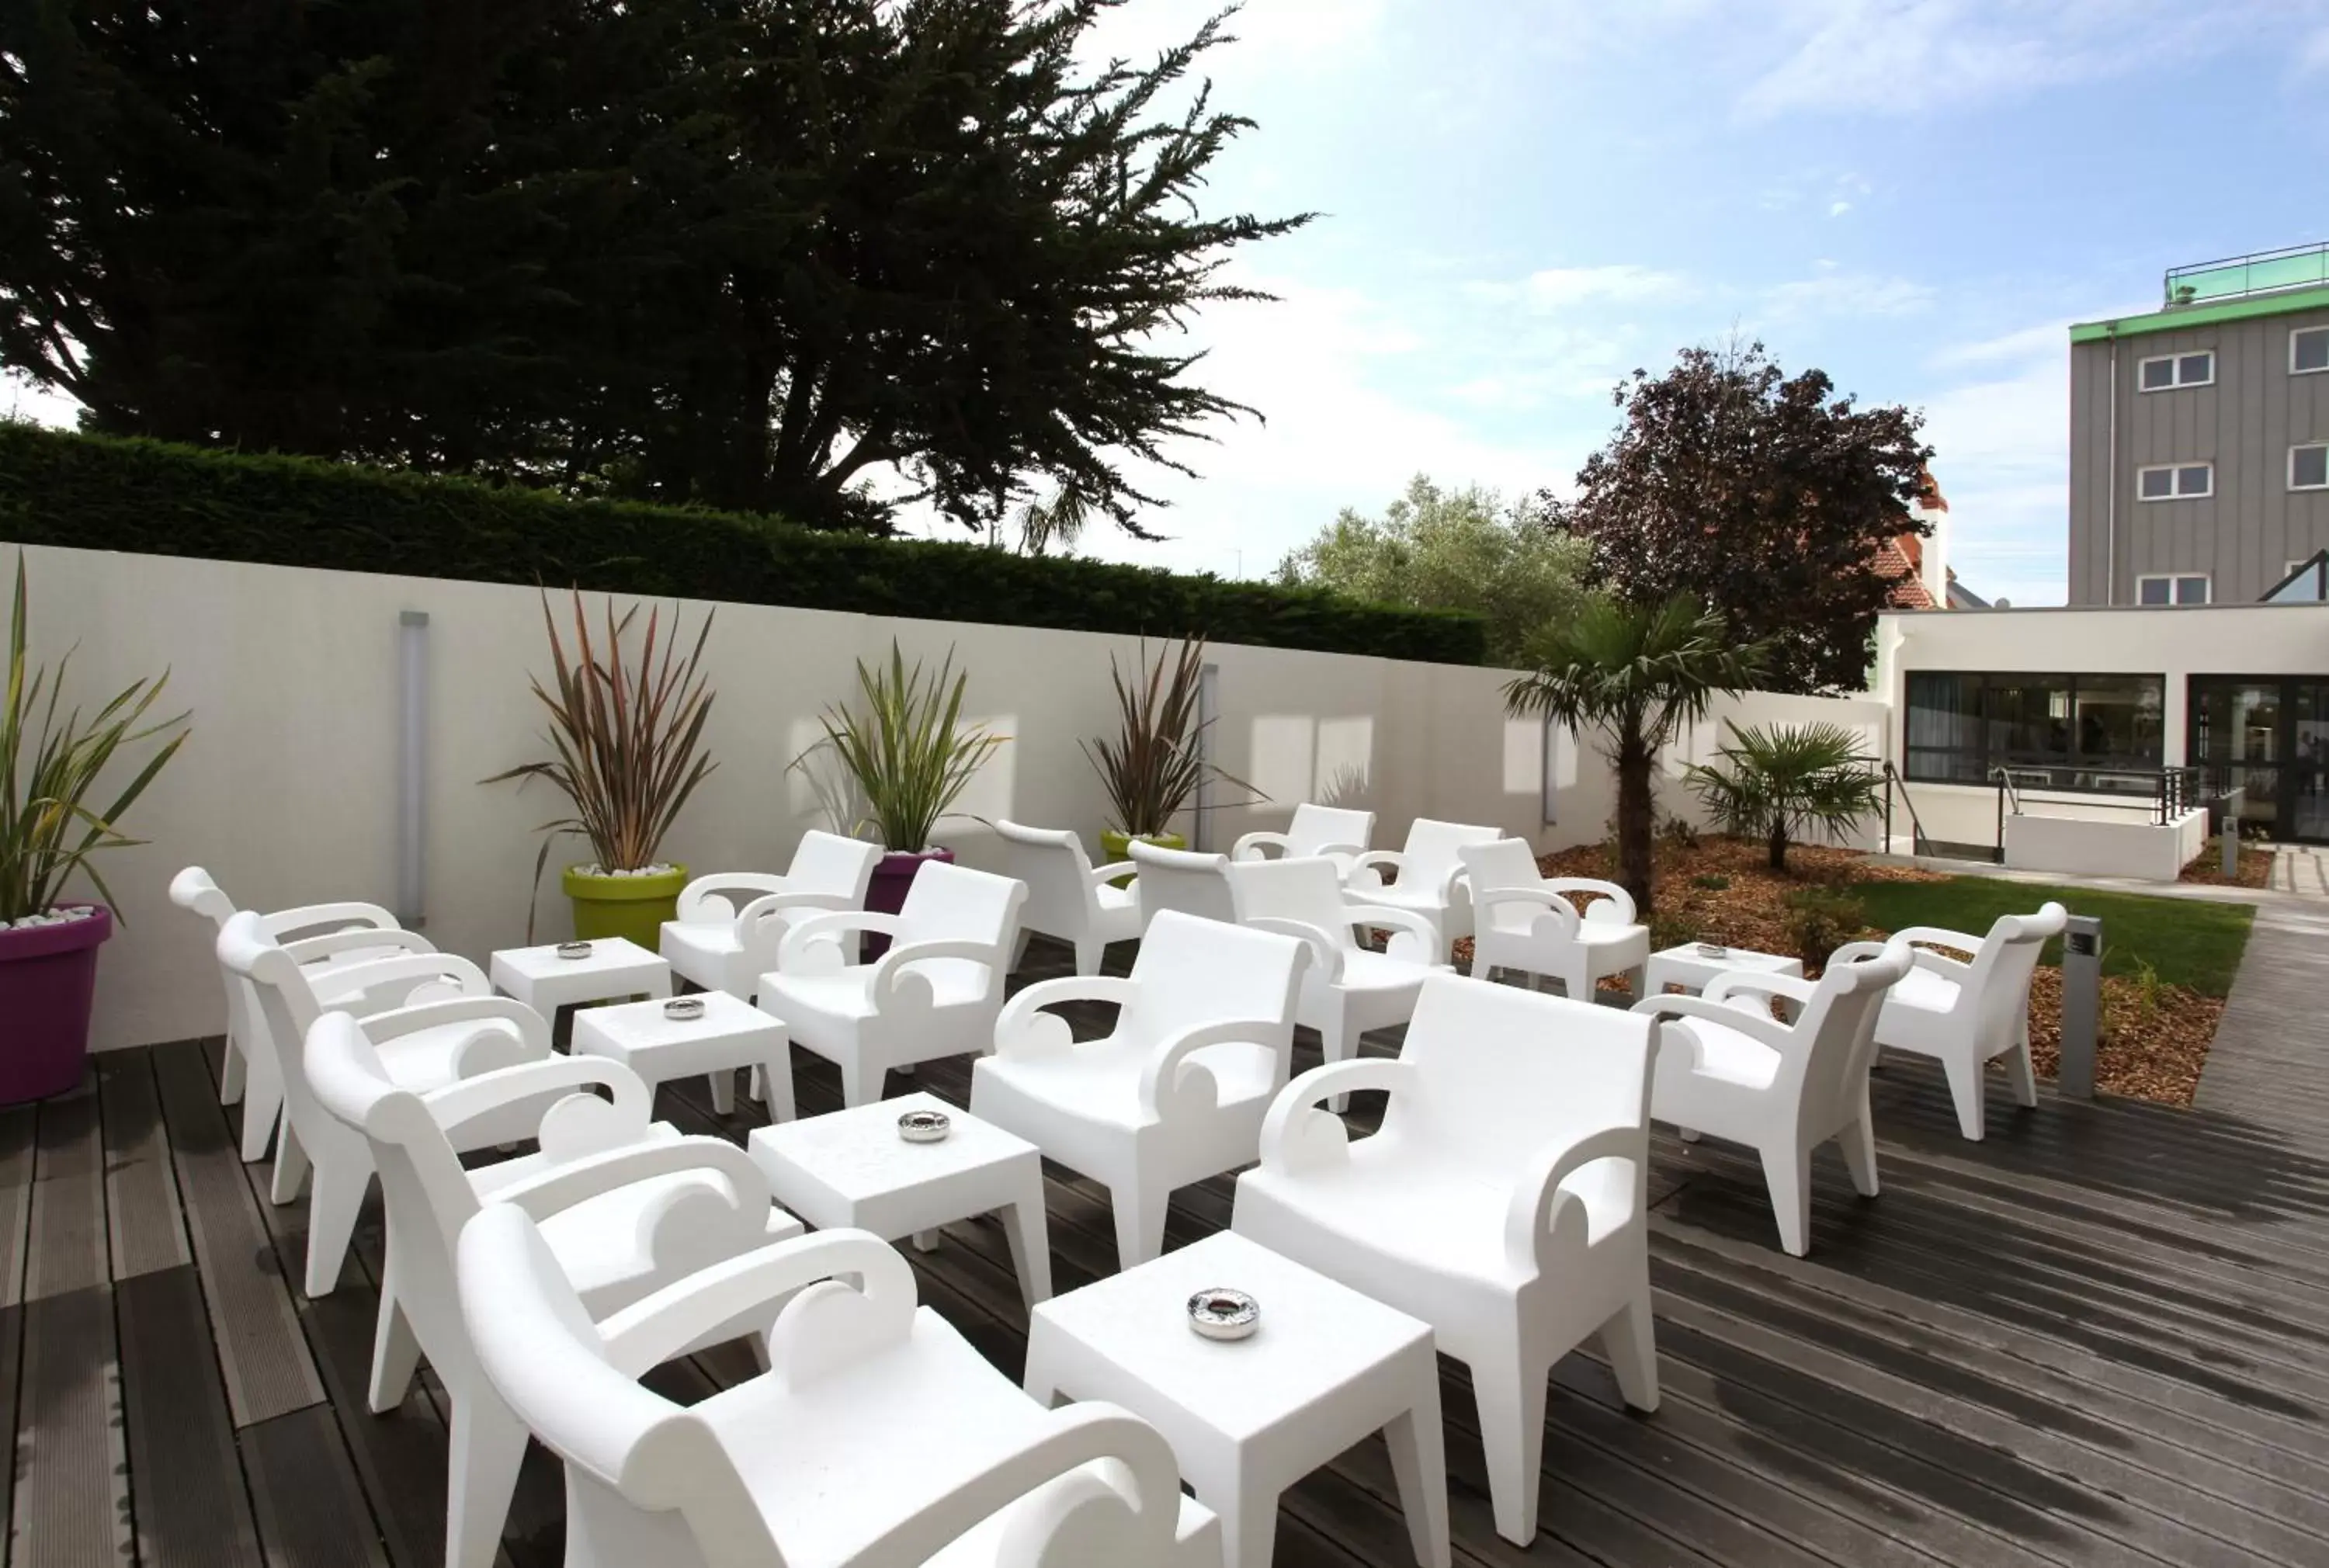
2175	320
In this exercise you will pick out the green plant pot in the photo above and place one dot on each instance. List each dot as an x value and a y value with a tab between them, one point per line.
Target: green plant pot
630	906
1116	846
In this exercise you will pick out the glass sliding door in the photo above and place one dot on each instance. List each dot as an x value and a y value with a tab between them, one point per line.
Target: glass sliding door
2308	760
2239	733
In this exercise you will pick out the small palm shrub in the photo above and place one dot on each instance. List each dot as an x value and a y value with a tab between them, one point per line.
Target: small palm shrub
1777	782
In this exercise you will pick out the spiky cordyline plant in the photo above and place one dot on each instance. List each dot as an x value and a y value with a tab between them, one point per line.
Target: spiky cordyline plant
628	734
904	748
47	832
1153	765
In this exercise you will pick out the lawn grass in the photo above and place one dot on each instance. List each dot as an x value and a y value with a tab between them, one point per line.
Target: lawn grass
2189	942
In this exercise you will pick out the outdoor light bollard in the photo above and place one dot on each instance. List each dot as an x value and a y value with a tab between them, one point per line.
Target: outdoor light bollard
2235	804
2083	974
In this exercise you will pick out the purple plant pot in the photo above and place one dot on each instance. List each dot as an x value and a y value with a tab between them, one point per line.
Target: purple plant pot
887	894
48	981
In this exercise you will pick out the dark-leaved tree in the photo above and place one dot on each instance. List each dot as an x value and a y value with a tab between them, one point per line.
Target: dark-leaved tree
1768	497
744	252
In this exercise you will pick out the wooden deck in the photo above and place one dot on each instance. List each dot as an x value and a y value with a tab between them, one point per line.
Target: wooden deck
2100	1338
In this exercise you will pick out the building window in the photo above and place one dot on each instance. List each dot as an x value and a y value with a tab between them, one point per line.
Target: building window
2170	588
2168	372
2308	466
2176	482
2309	350
2098	733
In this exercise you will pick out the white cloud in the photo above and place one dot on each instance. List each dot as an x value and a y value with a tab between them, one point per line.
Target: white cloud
1837	291
21	399
2002	456
2314	56
2049	339
1271	35
1838	209
1558	289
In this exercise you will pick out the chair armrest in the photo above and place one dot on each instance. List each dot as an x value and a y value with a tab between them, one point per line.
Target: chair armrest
1100	876
1259	842
590	1176
1937	936
890	978
310	917
768	904
1609	891
388	942
1418	926
1325	952
1732	982
351	980
1168	1078
1288	1146
1538	1208
645	1334
488	1048
455	1104
1025	1030
1758	1026
803	937
1369	864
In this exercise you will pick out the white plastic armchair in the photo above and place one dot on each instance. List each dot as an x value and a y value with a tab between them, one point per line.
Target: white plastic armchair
1068	898
1176	1090
624	1206
1503	1201
1727	1066
1527	921
936	992
1192	882
878	1437
249	1073
1431	876
1339	834
730	924
452	1026
1965	1014
1348	988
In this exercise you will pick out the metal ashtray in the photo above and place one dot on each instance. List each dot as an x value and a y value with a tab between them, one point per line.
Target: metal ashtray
1224	1314
925	1126
1712	950
573	949
680	1009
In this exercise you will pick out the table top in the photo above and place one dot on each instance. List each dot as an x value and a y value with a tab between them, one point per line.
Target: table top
642	1026
608	955
1317	1335
857	1154
1730	958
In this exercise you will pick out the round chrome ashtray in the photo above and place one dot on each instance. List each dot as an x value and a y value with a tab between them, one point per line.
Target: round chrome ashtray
682	1008
573	949
924	1126
1711	950
1222	1314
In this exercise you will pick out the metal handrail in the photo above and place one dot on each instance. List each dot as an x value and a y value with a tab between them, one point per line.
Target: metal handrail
2237	276
1918	838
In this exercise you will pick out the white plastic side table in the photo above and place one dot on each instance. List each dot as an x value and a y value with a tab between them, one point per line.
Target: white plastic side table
1693	970
615	969
728	1036
1249	1418
851	1169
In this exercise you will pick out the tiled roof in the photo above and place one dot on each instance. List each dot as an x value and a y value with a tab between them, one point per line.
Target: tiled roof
1908	591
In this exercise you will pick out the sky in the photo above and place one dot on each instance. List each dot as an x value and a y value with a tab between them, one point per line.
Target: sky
1520	201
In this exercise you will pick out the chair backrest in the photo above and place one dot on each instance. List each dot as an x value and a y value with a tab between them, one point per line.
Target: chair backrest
947	903
1058	873
827	862
1310	890
1840	1023
652	1481
1507	1072
1509	863
2004	968
1434	849
1192	972
193	889
1314	829
719	897
1186	879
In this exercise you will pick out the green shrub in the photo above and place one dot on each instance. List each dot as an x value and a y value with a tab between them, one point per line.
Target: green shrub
1821	919
147	497
1712	881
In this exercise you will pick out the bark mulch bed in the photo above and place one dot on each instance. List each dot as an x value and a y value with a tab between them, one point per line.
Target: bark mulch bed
2154	1037
2255	868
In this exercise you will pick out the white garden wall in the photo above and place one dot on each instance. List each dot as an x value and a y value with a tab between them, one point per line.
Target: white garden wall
287	791
2087	846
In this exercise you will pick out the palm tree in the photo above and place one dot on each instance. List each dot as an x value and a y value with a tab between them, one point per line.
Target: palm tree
1637	673
1059	522
1777	783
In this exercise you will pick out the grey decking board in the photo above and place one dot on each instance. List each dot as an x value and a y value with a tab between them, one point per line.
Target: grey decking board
269	1371
18	1135
65	1249
312	1512
145	1230
192	1507
72	1503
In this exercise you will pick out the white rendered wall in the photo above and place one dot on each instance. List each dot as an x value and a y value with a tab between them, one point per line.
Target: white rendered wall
2086	846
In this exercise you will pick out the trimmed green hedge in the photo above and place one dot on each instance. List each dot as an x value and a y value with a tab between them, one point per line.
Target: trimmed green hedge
96	493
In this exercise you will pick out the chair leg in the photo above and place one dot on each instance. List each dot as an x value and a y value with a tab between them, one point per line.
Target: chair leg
1857	1141
1966	1087
1090	953
262	1108
333	1202
1787	1171
1510	1396
488	1446
291	1164
1629	1339
1335	1045
395	1348
772	1086
1019	948
1025	1229
861	1082
1139	1223
2018	1072
231	1073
